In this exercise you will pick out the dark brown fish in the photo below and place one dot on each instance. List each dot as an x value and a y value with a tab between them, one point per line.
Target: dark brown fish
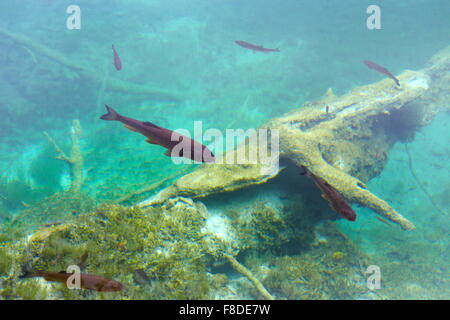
383	70
117	61
163	137
335	199
254	47
87	281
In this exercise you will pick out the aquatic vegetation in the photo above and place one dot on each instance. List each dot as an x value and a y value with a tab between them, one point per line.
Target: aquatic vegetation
17	191
166	244
263	227
5	261
338	255
318	275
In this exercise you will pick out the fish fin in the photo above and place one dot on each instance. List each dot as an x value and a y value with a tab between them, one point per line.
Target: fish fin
130	128
323	195
111	115
168	153
151	141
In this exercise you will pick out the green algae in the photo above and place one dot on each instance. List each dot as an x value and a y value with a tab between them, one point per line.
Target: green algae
316	274
169	248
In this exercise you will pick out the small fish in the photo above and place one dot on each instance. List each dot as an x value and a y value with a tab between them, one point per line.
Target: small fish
377	67
255	47
87	281
382	220
117	62
335	199
162	137
327	109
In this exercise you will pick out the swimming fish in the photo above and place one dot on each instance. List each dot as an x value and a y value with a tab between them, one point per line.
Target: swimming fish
382	220
335	199
117	61
255	47
163	137
377	67
87	281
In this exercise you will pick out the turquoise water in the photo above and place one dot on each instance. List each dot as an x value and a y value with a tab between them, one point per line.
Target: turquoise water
186	49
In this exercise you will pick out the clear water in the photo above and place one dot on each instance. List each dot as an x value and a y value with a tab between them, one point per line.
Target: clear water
187	48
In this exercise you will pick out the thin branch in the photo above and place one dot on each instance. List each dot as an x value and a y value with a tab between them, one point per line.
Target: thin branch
422	187
244	271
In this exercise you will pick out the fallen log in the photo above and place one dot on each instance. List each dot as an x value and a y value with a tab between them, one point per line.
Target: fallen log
343	140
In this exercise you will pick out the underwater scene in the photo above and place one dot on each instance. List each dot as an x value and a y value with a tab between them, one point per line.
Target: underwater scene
224	150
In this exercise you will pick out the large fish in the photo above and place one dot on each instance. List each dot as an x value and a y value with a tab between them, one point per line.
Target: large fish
163	137
254	47
87	281
117	61
383	70
335	199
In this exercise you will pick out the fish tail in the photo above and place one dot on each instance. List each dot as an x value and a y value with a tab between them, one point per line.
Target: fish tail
111	115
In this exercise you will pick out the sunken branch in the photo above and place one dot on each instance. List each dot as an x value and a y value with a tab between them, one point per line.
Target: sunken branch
244	271
75	160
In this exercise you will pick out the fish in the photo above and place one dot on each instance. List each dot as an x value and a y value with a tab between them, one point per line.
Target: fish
255	47
163	137
117	61
87	281
377	67
334	198
382	220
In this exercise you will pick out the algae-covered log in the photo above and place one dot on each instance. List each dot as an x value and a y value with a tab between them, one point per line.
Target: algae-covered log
344	140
